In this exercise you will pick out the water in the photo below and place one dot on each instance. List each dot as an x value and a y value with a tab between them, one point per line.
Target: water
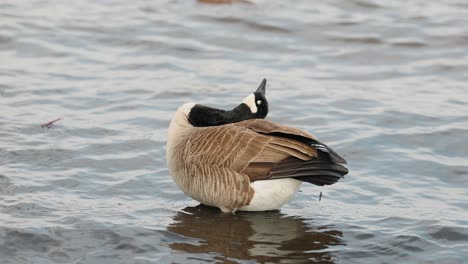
384	83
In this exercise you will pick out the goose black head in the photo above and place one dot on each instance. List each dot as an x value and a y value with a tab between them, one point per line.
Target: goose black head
253	106
257	102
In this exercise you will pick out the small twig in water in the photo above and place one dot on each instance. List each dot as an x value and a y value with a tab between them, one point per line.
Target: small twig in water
320	197
51	123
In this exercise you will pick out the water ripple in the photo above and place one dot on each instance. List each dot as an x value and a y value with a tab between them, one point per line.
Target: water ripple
383	83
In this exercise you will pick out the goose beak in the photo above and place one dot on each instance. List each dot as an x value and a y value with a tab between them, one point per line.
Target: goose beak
261	88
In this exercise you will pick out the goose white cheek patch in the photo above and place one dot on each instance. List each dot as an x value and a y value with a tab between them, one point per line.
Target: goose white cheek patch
250	102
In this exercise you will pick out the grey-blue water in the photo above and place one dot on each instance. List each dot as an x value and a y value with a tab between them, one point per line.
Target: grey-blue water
384	83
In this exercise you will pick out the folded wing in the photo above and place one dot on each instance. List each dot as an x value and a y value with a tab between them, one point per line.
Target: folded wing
292	153
228	157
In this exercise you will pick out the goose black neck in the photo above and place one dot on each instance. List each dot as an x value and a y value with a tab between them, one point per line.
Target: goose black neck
204	116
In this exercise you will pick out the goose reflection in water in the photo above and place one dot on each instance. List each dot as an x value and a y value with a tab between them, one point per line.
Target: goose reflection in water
261	237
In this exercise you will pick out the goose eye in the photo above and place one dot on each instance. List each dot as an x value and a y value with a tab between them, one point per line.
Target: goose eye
259	102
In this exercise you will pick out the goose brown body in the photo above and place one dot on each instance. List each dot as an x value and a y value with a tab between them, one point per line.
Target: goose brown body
217	165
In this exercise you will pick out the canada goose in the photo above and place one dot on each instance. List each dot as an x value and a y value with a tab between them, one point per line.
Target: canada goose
234	160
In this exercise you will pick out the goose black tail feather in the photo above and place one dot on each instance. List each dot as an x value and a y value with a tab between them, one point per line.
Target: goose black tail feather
318	172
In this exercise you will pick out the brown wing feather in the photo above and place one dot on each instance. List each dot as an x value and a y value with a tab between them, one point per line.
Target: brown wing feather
216	158
272	129
228	157
267	127
227	146
293	153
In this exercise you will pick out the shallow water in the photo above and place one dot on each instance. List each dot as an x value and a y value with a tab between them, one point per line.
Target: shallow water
384	84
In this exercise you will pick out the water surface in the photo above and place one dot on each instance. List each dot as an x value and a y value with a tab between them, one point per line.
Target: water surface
383	83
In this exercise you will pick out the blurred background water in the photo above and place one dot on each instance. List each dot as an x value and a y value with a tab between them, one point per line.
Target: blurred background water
385	83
